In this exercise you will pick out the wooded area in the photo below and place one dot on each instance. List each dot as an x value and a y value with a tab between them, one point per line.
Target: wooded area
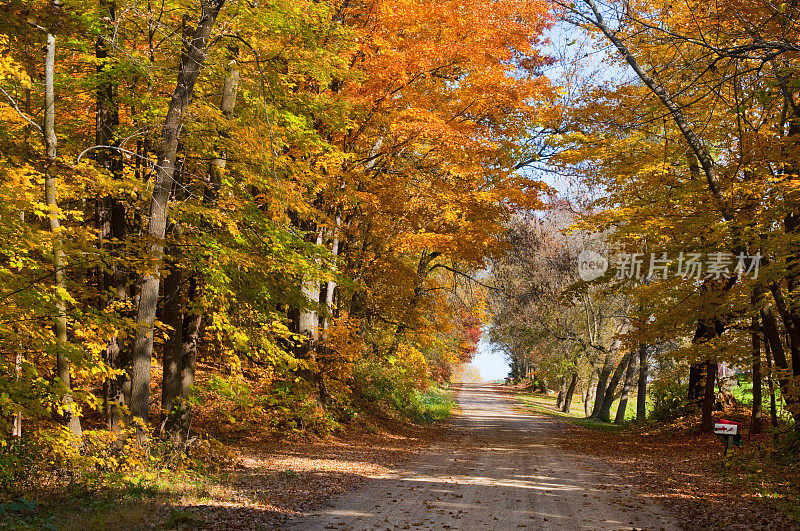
263	214
683	166
225	216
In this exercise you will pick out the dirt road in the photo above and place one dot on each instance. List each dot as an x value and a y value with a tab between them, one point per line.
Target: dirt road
501	468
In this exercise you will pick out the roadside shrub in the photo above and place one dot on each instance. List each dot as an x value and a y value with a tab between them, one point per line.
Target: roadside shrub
668	391
389	386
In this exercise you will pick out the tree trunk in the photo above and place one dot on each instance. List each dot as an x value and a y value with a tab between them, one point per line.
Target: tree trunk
110	224
773	339
630	375
331	284
173	346
16	429
60	321
757	422
707	421
230	91
773	409
696	386
587	411
573	383
641	391
189	69
790	325
562	391
602	382
309	318
191	332
608	396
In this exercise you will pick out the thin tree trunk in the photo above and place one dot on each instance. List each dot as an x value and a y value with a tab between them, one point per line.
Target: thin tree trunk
16	430
757	422
627	384
190	64
587	411
573	383
190	314
230	91
773	409
110	224
331	284
773	339
790	325
60	322
309	318
641	391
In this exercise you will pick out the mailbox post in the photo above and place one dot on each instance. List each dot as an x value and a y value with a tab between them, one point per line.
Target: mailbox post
729	433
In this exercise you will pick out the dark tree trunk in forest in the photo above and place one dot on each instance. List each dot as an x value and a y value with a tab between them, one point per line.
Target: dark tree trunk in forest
701	382
192	319
180	351
173	345
790	313
757	422
189	69
627	384
773	339
573	383
110	223
791	327
696	388
562	390
604	414
602	383
773	409
707	422
641	391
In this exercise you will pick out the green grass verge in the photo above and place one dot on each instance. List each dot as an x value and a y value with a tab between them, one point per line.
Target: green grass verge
547	405
435	403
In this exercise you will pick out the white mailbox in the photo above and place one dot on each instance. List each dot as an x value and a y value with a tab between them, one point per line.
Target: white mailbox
726	428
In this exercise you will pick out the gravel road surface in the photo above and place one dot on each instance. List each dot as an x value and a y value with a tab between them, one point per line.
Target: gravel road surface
498	468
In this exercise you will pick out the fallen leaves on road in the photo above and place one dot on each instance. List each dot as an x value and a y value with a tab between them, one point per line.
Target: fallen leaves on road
267	482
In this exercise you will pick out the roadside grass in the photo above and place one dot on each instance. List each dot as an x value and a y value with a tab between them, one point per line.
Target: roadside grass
432	405
545	404
153	499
